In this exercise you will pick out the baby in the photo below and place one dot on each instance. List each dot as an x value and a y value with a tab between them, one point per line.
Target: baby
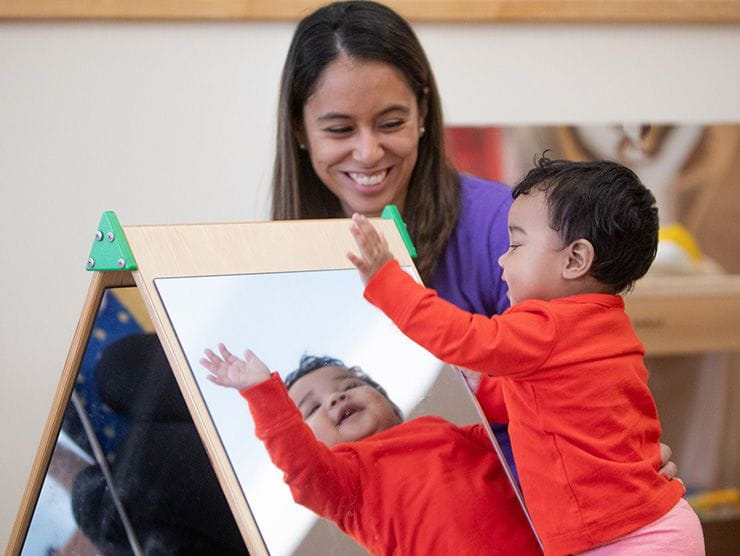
564	360
423	486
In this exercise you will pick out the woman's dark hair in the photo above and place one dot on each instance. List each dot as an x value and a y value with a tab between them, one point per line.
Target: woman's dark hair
605	203
365	31
311	363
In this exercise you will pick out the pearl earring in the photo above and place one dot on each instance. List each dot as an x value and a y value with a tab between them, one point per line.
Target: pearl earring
302	147
422	130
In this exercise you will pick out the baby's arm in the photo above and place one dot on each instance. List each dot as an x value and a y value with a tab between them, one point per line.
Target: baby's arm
319	479
374	251
230	371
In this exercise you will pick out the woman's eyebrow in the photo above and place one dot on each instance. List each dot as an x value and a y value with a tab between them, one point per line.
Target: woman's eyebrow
333	116
395	108
384	112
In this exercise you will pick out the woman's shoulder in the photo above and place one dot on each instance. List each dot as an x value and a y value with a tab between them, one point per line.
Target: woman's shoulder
474	187
483	204
483	200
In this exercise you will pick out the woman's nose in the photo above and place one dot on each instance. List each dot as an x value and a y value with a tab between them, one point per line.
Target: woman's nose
368	149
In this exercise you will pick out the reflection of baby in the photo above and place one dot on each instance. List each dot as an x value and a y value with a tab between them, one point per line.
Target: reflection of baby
424	486
566	362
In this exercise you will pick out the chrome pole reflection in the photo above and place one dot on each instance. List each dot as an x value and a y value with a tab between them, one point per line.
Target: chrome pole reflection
100	458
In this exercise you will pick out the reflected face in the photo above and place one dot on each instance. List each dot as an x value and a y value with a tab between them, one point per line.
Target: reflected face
361	127
339	407
532	266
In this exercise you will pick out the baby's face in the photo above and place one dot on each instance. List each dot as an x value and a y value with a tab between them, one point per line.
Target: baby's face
533	266
339	407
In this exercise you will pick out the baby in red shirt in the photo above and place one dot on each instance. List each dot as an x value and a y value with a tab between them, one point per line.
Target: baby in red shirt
564	360
425	486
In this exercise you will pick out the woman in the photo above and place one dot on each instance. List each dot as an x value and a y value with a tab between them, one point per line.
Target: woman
360	126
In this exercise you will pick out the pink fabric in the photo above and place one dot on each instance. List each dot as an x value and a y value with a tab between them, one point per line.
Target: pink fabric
677	532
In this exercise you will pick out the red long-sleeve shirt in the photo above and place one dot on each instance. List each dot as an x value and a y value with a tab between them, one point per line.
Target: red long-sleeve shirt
423	487
584	428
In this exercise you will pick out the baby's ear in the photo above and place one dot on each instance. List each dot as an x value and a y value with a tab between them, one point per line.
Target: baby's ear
580	256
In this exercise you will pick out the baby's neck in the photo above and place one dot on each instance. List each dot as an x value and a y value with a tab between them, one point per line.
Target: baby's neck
585	285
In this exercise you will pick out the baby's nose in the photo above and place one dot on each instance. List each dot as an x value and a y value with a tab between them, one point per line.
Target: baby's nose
341	397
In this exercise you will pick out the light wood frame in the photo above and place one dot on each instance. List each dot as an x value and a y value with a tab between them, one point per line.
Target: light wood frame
469	11
100	281
197	250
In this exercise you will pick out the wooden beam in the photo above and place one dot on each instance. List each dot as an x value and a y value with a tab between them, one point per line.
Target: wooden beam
469	11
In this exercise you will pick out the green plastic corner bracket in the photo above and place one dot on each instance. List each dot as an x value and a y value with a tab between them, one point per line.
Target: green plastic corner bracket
110	250
390	212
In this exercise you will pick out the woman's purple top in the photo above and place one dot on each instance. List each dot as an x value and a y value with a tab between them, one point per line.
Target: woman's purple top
468	274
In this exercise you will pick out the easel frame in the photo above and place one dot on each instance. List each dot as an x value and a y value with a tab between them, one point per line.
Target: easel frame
188	251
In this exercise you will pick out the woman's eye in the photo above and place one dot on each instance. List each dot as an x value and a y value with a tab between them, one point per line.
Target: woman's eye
339	129
392	124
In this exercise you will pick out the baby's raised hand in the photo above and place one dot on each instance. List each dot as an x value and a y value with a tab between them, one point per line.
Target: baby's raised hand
228	370
374	251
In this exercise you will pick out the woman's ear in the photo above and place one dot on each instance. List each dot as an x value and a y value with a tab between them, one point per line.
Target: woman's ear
300	136
579	258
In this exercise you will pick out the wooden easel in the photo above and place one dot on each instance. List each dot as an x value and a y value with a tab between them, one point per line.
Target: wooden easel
136	256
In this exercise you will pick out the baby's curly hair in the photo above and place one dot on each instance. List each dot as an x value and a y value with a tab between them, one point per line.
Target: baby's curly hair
311	363
605	203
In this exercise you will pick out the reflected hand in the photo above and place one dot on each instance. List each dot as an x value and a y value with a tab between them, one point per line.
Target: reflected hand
228	370
374	251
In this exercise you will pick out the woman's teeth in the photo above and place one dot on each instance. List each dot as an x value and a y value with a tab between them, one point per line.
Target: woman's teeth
364	179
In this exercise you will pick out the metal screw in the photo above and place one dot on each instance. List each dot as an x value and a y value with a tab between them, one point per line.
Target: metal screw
98	236
90	262
121	263
111	236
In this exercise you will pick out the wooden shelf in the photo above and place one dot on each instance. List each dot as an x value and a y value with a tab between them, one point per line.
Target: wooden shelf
686	314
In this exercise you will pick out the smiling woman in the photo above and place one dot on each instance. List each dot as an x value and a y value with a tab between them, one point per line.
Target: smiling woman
360	126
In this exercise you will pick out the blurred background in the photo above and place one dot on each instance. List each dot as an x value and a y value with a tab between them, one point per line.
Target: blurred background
171	120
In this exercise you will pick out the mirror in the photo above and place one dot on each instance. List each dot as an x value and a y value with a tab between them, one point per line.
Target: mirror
128	473
281	316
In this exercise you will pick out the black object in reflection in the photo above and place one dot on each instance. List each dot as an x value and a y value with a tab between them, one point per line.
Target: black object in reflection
161	472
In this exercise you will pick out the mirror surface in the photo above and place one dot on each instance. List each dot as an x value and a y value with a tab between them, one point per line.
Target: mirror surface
282	316
127	454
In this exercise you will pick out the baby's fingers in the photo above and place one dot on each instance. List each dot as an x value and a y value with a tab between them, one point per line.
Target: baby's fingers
226	354
370	242
357	261
211	361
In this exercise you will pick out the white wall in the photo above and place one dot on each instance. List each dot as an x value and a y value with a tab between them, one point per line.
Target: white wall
168	123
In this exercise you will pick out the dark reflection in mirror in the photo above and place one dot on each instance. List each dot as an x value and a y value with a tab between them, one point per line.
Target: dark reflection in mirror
129	474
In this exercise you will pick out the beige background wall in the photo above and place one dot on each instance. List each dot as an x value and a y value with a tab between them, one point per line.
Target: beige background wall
168	123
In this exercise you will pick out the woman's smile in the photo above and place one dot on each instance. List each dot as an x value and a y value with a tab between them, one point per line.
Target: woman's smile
366	179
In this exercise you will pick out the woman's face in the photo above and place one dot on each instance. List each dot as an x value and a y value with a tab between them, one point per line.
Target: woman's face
361	127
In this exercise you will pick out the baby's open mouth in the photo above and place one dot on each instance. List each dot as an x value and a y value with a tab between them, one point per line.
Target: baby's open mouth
347	412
